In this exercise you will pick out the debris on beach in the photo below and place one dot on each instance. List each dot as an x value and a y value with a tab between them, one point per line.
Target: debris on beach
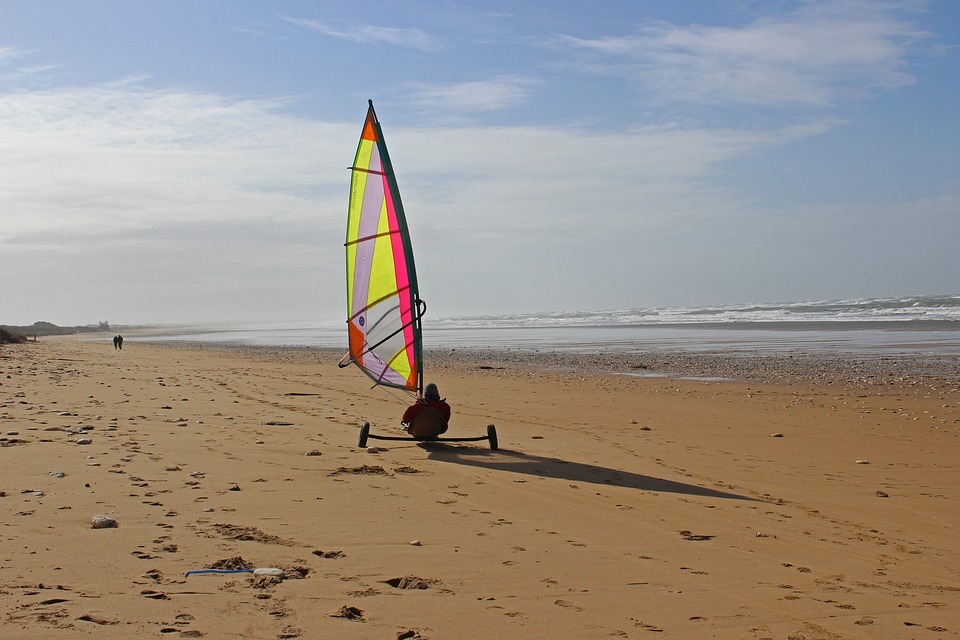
776	435
313	452
349	613
863	462
236	562
235	532
295	573
103	522
689	535
410	582
882	494
369	470
405	469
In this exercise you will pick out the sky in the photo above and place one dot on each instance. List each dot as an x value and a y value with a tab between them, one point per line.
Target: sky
182	161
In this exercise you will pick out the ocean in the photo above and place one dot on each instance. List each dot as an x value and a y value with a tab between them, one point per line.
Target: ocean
911	325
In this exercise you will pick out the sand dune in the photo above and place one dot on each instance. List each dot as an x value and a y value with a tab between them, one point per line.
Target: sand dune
617	506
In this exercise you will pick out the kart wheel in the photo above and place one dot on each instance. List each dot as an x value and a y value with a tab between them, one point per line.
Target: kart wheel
492	437
364	433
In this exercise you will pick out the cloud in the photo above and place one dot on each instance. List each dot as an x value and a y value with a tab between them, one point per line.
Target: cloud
117	156
822	53
21	75
411	37
186	200
259	29
9	54
200	207
496	94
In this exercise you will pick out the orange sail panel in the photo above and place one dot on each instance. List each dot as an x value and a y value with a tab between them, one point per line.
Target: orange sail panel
383	305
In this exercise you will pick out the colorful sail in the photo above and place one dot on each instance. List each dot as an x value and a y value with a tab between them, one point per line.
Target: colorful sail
383	305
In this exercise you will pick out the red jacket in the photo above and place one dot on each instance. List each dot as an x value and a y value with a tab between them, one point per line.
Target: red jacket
415	408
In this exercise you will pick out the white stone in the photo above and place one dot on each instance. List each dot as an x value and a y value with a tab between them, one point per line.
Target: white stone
104	522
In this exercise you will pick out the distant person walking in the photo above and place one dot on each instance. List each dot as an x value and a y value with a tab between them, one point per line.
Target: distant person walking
116	344
120	342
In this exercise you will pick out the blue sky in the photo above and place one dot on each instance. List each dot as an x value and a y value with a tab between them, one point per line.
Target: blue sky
185	161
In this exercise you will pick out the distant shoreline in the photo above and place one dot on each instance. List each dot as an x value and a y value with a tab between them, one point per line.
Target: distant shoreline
844	369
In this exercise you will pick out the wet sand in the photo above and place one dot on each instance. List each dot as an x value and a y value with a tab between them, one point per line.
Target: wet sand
791	497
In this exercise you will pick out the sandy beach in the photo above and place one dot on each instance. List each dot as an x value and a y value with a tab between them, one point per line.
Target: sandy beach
759	499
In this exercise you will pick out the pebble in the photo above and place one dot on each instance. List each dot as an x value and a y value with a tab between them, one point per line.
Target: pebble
416	543
58	474
776	435
84	441
104	522
882	494
312	452
373	449
268	571
863	462
13	433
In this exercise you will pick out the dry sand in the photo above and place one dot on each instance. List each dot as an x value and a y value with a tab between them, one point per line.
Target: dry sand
618	506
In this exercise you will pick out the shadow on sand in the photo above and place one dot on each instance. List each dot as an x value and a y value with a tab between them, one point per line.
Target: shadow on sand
541	467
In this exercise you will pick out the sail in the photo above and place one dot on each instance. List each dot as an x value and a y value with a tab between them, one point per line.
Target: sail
383	305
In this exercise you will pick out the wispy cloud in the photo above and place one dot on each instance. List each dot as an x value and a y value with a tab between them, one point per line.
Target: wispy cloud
9	54
261	30
14	74
410	37
495	94
822	53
